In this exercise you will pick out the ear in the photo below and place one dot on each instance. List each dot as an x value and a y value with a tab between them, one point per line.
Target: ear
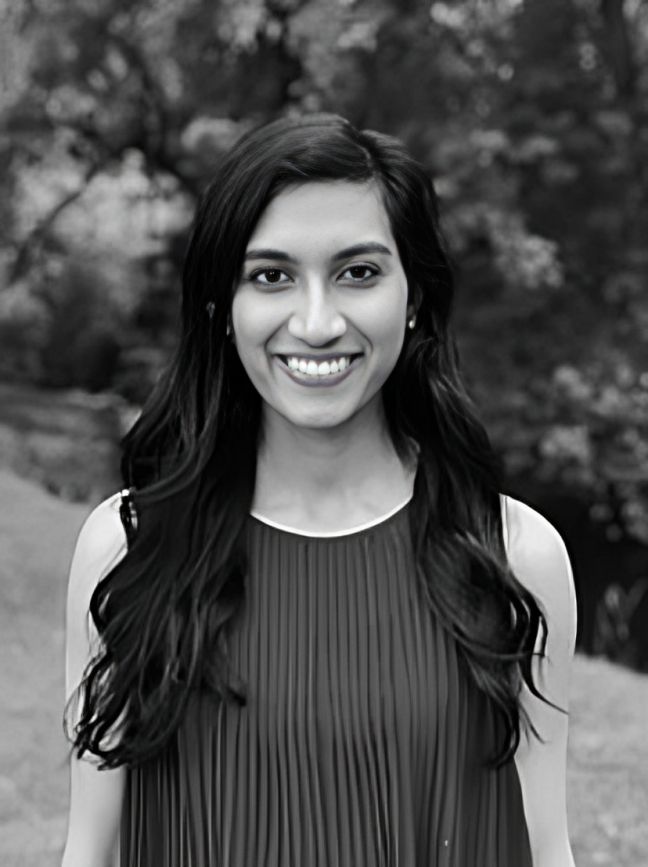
413	300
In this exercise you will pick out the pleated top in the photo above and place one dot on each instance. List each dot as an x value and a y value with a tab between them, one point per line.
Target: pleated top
363	735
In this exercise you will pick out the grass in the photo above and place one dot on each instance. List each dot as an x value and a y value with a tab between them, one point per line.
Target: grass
608	765
608	751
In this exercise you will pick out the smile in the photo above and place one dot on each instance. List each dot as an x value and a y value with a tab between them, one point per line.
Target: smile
307	371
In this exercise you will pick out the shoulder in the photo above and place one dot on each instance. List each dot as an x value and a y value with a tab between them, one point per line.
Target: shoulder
102	532
100	543
538	558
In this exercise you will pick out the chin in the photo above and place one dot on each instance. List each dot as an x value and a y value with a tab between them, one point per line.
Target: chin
322	417
319	420
317	411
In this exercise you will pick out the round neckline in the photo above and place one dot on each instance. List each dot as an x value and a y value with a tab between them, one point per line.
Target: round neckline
335	534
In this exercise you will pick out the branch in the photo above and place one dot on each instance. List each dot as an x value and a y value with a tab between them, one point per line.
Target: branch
37	234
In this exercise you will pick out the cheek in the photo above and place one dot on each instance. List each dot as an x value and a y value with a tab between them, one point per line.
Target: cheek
387	327
252	323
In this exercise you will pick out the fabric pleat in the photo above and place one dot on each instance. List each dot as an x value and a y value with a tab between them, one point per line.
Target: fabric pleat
363	738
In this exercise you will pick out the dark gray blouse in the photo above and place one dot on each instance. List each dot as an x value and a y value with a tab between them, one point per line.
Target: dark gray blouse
361	742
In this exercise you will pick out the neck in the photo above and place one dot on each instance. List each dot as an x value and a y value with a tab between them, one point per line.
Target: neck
347	474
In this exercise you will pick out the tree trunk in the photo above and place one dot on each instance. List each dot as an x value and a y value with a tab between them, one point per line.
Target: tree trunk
619	46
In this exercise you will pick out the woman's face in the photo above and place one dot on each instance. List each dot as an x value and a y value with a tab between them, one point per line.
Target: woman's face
320	311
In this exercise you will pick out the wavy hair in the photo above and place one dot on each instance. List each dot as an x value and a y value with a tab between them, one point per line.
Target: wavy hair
190	461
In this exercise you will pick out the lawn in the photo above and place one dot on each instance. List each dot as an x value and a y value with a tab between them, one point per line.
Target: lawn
608	755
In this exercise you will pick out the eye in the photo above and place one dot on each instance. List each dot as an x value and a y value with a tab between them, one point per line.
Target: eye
360	273
269	277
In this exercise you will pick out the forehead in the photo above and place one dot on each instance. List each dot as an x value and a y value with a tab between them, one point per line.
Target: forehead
323	214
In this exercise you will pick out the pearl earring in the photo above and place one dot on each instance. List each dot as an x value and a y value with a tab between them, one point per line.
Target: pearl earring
412	322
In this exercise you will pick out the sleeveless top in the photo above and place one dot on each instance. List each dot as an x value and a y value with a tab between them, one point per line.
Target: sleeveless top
362	739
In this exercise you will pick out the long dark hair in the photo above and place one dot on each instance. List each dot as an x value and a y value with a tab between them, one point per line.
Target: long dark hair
163	612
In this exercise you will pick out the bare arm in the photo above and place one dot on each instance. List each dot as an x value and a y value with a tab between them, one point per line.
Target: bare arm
539	560
95	796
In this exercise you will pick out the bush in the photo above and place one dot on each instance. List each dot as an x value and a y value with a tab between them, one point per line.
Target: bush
85	333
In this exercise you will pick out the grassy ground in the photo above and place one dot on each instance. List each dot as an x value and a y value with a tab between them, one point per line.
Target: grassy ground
608	758
608	765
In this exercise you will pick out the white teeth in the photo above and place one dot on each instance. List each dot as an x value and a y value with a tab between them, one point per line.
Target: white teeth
311	368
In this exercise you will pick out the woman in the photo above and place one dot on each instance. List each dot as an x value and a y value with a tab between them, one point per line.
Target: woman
318	648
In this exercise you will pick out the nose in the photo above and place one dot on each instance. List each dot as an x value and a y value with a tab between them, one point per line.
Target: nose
316	319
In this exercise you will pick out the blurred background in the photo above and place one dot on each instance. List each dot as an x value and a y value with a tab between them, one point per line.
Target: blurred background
532	116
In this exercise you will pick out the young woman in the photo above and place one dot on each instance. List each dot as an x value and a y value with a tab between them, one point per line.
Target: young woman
313	615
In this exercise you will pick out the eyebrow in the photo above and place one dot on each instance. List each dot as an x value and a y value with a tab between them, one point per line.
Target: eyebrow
347	253
267	253
361	249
